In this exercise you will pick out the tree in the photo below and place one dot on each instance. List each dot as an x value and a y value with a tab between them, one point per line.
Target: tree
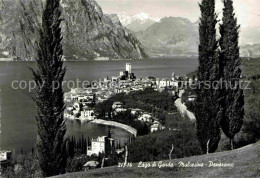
233	100
51	146
207	107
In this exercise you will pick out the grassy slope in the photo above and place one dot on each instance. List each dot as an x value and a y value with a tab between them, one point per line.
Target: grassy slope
246	164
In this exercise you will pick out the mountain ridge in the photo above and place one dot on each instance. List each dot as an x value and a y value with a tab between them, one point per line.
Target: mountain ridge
138	22
88	33
170	36
178	36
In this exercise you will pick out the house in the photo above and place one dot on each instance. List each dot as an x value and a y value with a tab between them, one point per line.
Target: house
5	157
114	79
156	126
67	96
77	91
118	110
117	105
100	99
107	80
81	98
145	117
136	111
87	114
192	97
70	108
100	145
88	90
73	96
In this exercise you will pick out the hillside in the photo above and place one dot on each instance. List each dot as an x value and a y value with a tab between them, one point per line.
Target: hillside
246	163
172	36
176	36
88	33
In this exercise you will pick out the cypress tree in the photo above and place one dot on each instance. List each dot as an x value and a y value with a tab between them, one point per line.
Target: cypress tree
51	145
233	102
207	107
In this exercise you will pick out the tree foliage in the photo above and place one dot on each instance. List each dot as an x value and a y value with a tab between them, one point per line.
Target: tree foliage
233	100
207	112
179	132
51	146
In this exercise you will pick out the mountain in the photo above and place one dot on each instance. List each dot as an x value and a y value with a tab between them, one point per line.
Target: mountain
88	33
171	36
177	36
250	51
137	23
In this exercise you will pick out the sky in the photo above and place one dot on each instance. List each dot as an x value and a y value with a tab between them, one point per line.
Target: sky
247	11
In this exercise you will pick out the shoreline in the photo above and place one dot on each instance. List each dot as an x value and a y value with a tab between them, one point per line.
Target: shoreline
127	128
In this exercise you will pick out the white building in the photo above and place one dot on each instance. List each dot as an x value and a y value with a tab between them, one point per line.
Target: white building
146	117
81	98
166	83
117	105
129	68
192	97
156	126
100	145
121	73
118	110
87	114
114	79
97	146
5	156
88	90
136	111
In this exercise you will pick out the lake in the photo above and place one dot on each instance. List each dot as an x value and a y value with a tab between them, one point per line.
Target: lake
18	128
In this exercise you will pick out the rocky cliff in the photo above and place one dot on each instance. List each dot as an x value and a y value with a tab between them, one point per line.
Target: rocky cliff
88	33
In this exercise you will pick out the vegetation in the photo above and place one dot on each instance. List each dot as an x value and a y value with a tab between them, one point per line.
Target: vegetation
179	132
207	108
77	150
159	104
250	132
128	119
50	146
246	164
232	105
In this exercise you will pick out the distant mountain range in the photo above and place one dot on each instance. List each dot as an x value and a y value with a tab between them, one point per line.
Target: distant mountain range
88	33
171	36
250	51
136	23
176	36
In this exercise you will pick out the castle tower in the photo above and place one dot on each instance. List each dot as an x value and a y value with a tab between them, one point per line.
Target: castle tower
129	68
173	76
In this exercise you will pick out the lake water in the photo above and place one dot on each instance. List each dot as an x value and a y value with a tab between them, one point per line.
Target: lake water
18	129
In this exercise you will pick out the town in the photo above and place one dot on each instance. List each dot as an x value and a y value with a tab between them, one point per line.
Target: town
81	101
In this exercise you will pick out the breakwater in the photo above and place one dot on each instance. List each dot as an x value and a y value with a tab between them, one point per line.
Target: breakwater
129	129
